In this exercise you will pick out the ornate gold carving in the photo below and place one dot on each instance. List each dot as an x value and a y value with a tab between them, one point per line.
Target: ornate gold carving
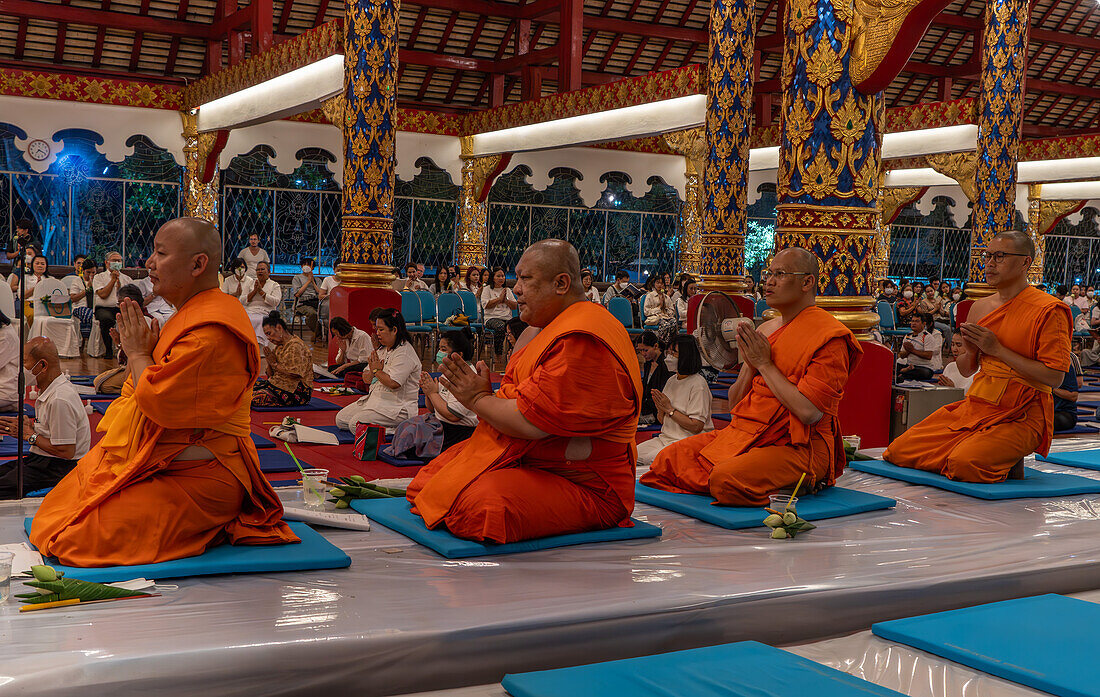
1042	216
335	110
875	27
200	200
472	210
691	143
960	166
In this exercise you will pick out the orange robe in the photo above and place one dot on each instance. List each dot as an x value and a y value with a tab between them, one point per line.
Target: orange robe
577	378
766	448
126	501
1004	417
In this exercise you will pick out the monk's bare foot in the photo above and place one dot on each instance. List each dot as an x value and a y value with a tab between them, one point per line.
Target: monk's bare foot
1017	471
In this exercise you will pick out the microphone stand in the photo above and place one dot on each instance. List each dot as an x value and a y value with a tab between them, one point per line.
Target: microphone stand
21	274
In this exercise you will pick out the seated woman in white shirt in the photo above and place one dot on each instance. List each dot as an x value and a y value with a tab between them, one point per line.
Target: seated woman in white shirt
448	422
472	282
688	288
33	274
659	309
355	346
233	283
394	376
683	406
497	303
590	292
951	377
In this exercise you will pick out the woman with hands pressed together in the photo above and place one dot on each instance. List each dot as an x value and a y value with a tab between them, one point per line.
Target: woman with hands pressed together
683	406
289	381
394	376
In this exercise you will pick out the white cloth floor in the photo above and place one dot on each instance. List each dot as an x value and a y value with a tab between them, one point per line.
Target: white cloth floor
402	619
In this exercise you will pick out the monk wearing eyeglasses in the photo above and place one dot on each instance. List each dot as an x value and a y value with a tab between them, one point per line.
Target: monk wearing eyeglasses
1018	343
783	405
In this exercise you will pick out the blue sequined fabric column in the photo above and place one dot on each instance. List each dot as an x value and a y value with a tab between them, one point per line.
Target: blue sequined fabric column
370	95
829	159
728	123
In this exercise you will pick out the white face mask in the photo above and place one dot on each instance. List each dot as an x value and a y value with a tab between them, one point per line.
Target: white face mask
907	294
29	377
307	269
1091	293
239	273
671	362
956	297
891	291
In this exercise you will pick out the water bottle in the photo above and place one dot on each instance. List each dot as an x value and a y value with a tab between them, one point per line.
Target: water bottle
88	407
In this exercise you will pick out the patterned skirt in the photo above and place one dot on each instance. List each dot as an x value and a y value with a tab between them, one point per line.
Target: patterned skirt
264	394
85	315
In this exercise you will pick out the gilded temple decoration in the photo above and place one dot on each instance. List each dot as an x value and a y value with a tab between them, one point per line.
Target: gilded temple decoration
691	143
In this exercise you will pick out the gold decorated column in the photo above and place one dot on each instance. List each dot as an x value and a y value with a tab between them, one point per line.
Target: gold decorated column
1042	216
370	131
200	195
473	207
690	143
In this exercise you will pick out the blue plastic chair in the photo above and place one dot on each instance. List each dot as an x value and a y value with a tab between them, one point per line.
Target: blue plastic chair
761	307
620	309
446	305
641	312
887	320
428	314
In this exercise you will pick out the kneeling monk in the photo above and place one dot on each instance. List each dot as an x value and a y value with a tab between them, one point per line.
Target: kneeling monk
176	471
784	403
1018	340
554	450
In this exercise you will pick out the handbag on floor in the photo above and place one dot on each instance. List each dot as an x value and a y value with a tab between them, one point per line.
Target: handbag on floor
368	439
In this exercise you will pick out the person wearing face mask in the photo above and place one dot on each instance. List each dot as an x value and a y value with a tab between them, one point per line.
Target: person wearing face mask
23	236
59	434
9	365
307	295
394	376
906	304
622	281
657	368
234	279
355	347
448	421
683	406
106	285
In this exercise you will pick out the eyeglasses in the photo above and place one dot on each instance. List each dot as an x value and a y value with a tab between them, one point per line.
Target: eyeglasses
780	275
998	257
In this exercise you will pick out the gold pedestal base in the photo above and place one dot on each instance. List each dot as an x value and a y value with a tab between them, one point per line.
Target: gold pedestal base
976	291
726	284
853	312
365	275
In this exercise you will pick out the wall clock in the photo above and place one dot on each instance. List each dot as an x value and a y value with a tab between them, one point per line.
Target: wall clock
38	149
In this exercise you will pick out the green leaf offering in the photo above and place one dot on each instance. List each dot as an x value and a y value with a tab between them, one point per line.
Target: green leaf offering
357	487
53	588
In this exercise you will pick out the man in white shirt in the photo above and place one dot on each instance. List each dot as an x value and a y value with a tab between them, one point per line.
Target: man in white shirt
412	280
58	436
327	285
260	297
157	307
106	285
922	351
253	255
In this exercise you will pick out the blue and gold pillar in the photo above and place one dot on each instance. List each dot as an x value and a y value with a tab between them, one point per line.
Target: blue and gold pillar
1000	112
370	132
726	165
829	161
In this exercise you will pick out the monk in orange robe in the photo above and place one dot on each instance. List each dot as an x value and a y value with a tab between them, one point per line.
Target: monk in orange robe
554	449
176	471
1018	341
784	403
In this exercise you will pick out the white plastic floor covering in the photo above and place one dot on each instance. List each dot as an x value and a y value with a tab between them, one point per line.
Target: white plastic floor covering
403	619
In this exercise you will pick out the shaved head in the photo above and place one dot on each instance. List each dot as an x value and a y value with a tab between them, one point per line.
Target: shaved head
1020	241
802	260
196	236
41	348
553	257
187	253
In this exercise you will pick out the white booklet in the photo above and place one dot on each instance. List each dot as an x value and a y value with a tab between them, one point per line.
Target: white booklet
344	518
322	371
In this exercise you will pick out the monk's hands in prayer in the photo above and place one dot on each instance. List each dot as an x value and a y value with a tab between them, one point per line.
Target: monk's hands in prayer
980	338
661	401
465	385
428	385
753	346
137	337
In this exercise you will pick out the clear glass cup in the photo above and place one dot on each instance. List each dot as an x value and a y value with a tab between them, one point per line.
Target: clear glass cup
782	502
314	488
852	441
5	575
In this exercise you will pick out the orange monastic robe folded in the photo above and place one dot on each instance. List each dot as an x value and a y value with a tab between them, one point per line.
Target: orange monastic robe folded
1004	417
577	380
127	501
766	448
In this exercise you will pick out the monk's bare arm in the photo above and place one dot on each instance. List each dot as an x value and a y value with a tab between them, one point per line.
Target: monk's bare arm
741	386
968	361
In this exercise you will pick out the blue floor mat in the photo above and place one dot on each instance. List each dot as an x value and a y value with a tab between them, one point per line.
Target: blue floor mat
399	461
28	410
261	443
721	416
744	669
649	428
1035	484
1079	428
315	404
395	515
830	503
1085	459
1013	640
278	461
345	437
314	552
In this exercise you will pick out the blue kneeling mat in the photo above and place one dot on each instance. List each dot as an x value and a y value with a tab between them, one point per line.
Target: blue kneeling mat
743	669
260	442
396	515
100	397
345	437
315	404
400	461
1035	484
721	416
314	552
28	410
649	427
1041	642
830	503
272	460
1085	459
1079	428
1089	388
